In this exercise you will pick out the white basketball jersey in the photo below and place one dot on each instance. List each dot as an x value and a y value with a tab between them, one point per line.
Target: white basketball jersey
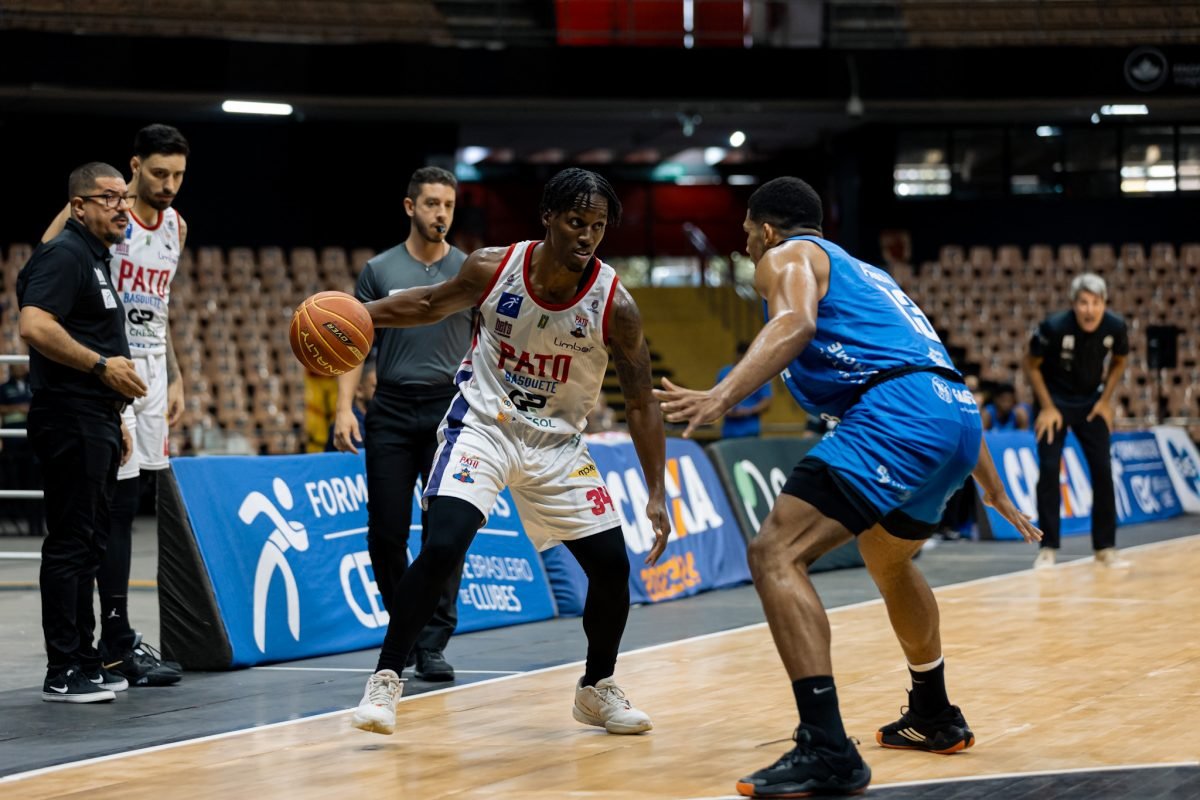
142	267
536	363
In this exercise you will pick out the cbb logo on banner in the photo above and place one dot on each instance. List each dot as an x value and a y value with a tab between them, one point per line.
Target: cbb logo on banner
1182	465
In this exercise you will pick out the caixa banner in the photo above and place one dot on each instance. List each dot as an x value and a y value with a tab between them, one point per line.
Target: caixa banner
706	550
1015	456
1140	481
265	559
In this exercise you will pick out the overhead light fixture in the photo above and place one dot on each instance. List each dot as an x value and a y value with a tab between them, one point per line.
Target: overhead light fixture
737	139
256	107
1046	131
473	154
1127	110
714	155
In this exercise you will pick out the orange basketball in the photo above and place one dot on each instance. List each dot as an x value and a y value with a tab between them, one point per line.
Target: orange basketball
331	333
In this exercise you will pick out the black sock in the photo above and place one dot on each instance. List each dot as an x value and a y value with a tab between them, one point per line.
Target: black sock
928	697
816	700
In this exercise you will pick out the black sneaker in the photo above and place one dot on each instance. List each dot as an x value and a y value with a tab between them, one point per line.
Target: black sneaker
811	767
105	679
71	685
944	734
433	666
139	663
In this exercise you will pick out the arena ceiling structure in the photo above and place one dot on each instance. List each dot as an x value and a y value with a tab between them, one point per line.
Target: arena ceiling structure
604	81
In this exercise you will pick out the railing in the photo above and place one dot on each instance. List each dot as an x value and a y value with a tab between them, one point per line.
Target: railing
17	433
736	308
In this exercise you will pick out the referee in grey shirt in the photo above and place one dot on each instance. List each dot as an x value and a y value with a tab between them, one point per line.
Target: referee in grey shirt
415	370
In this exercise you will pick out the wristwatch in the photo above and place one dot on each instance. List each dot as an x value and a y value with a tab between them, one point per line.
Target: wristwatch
100	366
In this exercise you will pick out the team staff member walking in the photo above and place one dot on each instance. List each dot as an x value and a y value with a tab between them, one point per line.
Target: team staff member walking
415	372
1065	367
82	377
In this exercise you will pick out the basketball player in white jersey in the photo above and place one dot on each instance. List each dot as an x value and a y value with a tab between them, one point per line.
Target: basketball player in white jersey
546	311
142	267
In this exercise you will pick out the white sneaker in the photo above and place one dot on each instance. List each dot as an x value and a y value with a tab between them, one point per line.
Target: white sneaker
1045	558
1110	558
377	711
605	706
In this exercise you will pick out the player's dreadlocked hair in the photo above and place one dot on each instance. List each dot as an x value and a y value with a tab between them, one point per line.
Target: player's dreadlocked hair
787	203
572	188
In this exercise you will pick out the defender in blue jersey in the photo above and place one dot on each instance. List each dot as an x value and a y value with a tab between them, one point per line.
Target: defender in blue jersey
852	346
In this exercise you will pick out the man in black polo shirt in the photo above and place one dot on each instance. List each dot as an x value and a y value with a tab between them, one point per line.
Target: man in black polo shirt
1066	367
416	368
81	376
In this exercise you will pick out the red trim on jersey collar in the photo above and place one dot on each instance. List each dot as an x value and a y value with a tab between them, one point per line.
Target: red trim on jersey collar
555	306
612	292
161	215
495	276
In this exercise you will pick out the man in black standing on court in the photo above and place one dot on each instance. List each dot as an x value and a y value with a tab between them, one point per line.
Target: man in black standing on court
1066	369
415	372
82	377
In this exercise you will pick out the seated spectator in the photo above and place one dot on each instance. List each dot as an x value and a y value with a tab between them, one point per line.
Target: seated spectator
1004	413
17	470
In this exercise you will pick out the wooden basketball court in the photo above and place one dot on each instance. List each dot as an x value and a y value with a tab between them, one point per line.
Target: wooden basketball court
1073	668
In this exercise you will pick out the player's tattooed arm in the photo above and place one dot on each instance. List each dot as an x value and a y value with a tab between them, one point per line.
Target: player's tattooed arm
631	357
173	373
425	305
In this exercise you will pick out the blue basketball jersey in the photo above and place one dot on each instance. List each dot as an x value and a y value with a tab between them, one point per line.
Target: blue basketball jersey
866	324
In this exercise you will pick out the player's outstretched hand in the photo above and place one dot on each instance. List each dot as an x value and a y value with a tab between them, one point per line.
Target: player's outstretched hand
694	407
1010	512
660	520
121	376
346	432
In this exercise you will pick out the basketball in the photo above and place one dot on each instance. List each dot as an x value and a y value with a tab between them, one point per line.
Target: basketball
331	333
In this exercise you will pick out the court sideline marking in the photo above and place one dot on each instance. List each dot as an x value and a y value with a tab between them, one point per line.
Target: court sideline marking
19	776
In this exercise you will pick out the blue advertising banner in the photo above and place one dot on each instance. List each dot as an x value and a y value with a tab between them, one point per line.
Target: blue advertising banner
1142	485
1140	480
283	540
1183	464
1015	454
503	580
706	549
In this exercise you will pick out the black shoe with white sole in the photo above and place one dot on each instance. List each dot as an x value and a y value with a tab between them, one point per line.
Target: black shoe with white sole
72	685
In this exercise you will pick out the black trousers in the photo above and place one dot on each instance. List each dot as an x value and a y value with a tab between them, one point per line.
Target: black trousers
78	443
1094	441
400	440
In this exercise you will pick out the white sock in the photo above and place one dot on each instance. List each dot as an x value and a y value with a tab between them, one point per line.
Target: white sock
932	665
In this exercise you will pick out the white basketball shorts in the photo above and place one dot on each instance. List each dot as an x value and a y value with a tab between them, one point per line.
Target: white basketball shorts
146	419
558	490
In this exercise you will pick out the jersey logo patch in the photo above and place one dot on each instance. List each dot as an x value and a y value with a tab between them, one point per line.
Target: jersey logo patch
509	305
503	328
580	329
542	322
